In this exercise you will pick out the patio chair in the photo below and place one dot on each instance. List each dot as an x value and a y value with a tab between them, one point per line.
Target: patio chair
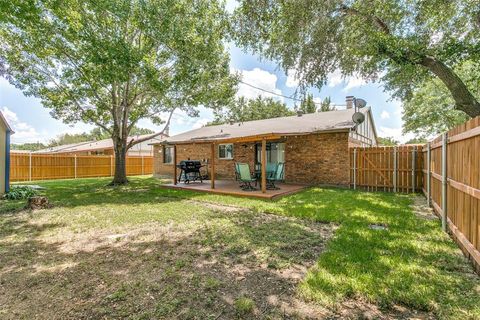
277	176
271	168
242	171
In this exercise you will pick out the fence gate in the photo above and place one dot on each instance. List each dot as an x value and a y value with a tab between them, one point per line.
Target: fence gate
394	169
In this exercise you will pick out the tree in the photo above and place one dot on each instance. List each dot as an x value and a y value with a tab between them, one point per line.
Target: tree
111	63
326	105
403	42
307	105
243	109
387	141
95	134
416	141
431	109
33	146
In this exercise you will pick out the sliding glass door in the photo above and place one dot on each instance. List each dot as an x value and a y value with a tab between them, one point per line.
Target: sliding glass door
275	152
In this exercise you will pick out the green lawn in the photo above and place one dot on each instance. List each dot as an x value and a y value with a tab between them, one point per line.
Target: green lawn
142	240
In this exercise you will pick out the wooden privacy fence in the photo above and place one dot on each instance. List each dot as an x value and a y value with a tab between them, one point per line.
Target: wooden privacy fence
452	184
30	167
396	169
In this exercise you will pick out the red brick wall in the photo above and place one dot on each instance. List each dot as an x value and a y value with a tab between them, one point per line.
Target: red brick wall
242	152
312	159
317	159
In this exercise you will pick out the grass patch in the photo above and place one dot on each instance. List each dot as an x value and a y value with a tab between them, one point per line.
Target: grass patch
412	263
244	305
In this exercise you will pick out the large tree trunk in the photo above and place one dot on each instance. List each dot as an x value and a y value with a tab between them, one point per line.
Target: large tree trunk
120	176
464	100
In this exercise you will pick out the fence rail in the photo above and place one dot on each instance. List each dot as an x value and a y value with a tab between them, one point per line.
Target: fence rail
395	169
30	167
452	175
447	170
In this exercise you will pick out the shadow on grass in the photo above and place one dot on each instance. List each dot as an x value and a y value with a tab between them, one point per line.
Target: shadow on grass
196	274
412	263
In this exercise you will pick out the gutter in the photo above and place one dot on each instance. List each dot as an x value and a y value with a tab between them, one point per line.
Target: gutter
332	130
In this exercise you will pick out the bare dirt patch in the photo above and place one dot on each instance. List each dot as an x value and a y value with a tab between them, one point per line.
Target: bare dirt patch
162	271
421	209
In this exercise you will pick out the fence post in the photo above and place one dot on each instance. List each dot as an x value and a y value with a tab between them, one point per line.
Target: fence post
75	166
394	169
414	150
30	167
111	165
143	170
428	172
354	168
444	181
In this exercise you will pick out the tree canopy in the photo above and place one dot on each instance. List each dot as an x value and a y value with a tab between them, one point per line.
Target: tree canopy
243	109
431	110
95	134
387	141
111	63
402	42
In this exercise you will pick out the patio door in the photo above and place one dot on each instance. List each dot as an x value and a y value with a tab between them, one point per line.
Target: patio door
275	152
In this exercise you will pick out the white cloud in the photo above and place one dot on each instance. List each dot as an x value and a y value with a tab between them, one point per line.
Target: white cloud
200	123
336	78
395	133
385	115
23	131
292	81
261	79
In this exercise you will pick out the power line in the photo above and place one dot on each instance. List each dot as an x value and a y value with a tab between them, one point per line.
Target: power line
280	95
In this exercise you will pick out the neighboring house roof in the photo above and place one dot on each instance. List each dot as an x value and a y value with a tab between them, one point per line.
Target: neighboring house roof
330	121
91	145
20	151
2	119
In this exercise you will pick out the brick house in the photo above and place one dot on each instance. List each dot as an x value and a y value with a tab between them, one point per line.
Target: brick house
314	147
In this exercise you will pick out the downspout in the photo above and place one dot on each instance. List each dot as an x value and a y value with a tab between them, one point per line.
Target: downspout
7	162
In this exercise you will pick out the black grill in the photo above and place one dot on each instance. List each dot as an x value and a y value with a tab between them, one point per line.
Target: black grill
190	171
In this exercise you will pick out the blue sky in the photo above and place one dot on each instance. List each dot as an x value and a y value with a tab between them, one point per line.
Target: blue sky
32	122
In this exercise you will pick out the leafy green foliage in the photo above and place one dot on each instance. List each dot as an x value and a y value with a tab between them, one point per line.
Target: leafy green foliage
243	109
402	42
308	105
95	134
27	146
111	63
387	141
416	141
20	192
431	109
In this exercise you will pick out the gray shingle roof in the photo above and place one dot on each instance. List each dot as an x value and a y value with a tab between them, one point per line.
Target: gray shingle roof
338	120
89	145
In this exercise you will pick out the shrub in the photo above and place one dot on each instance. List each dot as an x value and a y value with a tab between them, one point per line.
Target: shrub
20	192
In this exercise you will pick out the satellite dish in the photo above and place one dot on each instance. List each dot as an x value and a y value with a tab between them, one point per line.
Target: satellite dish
360	103
358	117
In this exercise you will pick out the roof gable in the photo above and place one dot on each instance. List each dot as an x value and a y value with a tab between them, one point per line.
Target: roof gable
338	120
4	121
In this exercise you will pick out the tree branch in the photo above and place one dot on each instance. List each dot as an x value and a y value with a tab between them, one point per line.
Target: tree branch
376	20
464	100
153	135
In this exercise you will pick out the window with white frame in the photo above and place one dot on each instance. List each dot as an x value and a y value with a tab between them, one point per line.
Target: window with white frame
167	154
225	151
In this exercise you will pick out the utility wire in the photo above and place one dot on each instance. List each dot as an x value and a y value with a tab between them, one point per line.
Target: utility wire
280	95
